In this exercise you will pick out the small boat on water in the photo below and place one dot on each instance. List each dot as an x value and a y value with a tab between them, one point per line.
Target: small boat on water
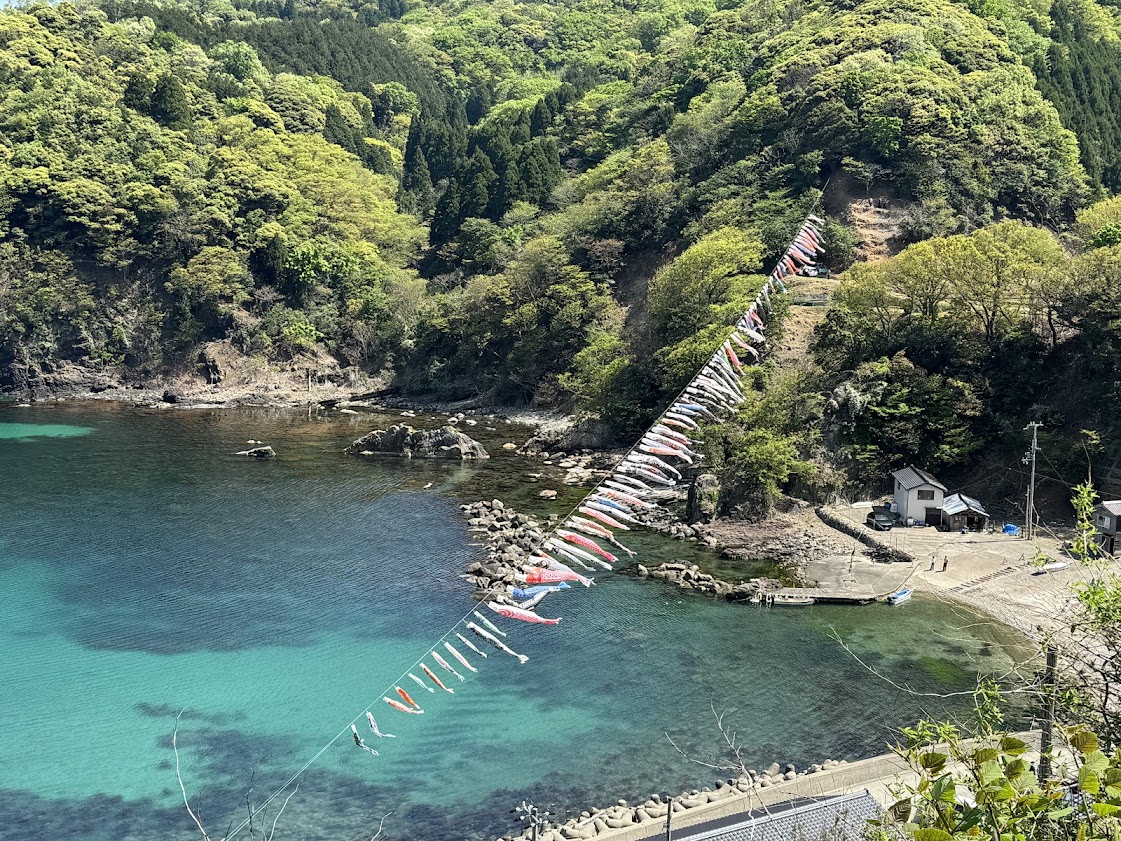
790	600
900	596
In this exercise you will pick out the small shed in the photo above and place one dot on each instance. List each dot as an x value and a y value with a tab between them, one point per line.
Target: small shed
918	496
1107	517
960	511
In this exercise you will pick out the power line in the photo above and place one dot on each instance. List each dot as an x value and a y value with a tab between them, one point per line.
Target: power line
681	395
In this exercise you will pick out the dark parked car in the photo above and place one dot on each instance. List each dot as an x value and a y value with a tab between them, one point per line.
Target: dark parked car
879	521
814	271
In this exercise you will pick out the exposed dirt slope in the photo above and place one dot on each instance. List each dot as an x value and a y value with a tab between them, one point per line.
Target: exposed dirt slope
878	221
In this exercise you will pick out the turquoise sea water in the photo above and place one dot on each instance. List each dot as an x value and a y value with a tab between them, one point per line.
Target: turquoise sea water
145	570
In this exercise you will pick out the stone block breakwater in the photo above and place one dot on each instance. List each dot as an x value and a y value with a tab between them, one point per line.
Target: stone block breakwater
511	536
595	821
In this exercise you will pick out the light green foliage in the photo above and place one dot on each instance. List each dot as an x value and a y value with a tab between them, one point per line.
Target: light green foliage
766	445
517	331
214	274
920	92
244	158
984	787
1093	220
890	413
120	169
985	311
709	282
299	335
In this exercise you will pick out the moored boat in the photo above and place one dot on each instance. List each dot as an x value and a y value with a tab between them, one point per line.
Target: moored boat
790	600
900	596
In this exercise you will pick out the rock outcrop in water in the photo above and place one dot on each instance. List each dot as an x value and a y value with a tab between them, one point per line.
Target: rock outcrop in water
258	452
401	439
509	537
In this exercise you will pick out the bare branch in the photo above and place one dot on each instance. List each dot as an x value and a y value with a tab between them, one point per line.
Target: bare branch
724	767
381	825
729	740
183	788
272	831
249	803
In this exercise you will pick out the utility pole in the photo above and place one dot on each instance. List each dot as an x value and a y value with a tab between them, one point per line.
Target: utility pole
1049	720
669	819
1029	514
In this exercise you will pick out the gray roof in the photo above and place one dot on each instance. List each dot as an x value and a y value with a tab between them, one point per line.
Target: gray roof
912	477
957	503
1113	506
804	819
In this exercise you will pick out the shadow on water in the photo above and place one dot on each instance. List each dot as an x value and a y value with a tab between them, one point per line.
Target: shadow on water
146	568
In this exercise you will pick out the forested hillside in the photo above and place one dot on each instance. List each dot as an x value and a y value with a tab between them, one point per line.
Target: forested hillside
546	203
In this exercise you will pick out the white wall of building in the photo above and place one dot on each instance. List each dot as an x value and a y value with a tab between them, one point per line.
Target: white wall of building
910	504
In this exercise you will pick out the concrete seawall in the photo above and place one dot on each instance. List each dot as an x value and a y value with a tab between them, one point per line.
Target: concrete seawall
878	774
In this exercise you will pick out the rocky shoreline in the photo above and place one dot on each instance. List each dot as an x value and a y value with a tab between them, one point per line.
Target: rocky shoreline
595	821
402	439
510	536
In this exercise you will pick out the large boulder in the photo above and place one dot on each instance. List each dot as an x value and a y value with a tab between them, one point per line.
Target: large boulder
704	497
401	439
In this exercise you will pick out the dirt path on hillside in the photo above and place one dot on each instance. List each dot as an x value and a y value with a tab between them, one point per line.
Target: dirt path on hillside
810	298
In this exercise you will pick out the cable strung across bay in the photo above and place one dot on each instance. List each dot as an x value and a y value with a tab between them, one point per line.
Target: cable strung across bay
655	464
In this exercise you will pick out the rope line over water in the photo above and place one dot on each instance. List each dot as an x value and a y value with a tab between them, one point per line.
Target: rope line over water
787	266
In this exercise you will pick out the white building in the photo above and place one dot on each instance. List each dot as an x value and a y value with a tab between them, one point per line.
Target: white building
918	496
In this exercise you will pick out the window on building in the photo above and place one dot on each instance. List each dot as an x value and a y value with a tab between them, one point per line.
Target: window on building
926	494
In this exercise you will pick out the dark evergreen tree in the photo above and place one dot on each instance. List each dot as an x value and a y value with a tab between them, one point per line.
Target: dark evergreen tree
417	184
337	130
447	216
540	118
170	106
479	103
510	189
520	132
480	181
138	93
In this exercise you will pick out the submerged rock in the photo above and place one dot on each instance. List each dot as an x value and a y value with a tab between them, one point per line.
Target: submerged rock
402	439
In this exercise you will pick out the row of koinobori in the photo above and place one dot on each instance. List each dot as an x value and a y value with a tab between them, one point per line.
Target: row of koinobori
643	472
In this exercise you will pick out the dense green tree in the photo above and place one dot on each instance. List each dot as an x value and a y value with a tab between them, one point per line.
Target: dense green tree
169	104
260	170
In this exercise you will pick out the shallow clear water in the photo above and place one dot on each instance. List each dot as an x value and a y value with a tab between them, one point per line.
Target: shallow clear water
145	570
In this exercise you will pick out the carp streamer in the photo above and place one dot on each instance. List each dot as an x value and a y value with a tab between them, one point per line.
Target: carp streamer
635	485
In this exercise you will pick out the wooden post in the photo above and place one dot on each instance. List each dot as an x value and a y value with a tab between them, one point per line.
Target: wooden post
1049	719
